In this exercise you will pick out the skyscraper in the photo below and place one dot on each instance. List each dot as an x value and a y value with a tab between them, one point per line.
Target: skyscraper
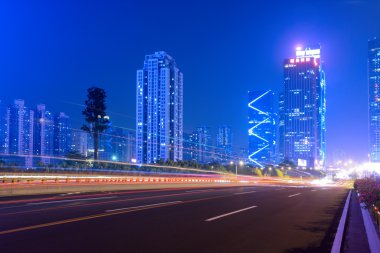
190	146
159	109
3	129
20	121
280	128
224	144
80	142
304	108
374	98
261	127
43	134
116	144
204	145
62	134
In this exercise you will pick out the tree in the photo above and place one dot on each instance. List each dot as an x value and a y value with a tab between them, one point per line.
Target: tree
95	115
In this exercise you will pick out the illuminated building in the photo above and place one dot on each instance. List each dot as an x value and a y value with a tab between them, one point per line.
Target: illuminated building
281	128
159	109
80	142
20	121
224	144
62	134
304	109
190	146
374	98
3	129
43	134
203	144
261	128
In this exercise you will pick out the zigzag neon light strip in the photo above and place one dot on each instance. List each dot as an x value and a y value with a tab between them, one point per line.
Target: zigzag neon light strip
256	152
251	130
253	101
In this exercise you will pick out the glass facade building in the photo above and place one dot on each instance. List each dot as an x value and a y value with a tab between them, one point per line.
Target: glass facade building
20	121
3	129
190	146
62	134
224	144
43	134
159	109
261	127
204	144
304	109
374	98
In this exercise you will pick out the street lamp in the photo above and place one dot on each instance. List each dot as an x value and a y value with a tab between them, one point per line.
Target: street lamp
241	163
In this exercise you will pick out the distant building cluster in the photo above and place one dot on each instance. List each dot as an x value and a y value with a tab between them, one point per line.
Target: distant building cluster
32	137
203	146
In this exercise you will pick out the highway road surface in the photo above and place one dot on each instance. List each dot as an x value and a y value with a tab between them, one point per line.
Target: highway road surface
215	219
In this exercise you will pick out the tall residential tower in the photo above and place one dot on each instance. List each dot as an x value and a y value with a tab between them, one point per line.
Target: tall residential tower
224	144
159	109
374	98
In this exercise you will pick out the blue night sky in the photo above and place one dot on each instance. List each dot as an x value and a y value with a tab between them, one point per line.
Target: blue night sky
52	51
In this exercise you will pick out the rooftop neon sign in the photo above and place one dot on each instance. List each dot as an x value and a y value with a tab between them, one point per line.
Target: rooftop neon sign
308	52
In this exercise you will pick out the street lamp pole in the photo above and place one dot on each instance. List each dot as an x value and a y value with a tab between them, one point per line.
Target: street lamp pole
240	163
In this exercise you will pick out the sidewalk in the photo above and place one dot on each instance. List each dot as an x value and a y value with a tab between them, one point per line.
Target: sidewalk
355	237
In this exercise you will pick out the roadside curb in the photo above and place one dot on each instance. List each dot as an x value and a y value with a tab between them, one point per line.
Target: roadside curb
337	245
373	238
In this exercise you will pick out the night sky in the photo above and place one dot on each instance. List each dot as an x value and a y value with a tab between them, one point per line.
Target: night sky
52	51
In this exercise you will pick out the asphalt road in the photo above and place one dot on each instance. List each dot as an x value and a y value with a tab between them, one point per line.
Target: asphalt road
228	219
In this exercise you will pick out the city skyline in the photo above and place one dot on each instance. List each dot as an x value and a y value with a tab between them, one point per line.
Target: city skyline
97	60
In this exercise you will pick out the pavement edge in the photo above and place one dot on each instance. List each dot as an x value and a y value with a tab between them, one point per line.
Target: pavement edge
373	238
337	245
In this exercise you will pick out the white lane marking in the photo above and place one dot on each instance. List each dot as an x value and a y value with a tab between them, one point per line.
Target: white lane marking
227	214
69	193
239	193
135	207
201	190
68	200
314	190
294	195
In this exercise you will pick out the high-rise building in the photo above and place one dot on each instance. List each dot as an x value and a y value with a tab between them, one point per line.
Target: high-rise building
131	146
190	146
374	98
80	142
43	134
280	129
62	134
204	145
159	109
20	121
116	144
261	127
304	108
3	129
224	144
186	147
